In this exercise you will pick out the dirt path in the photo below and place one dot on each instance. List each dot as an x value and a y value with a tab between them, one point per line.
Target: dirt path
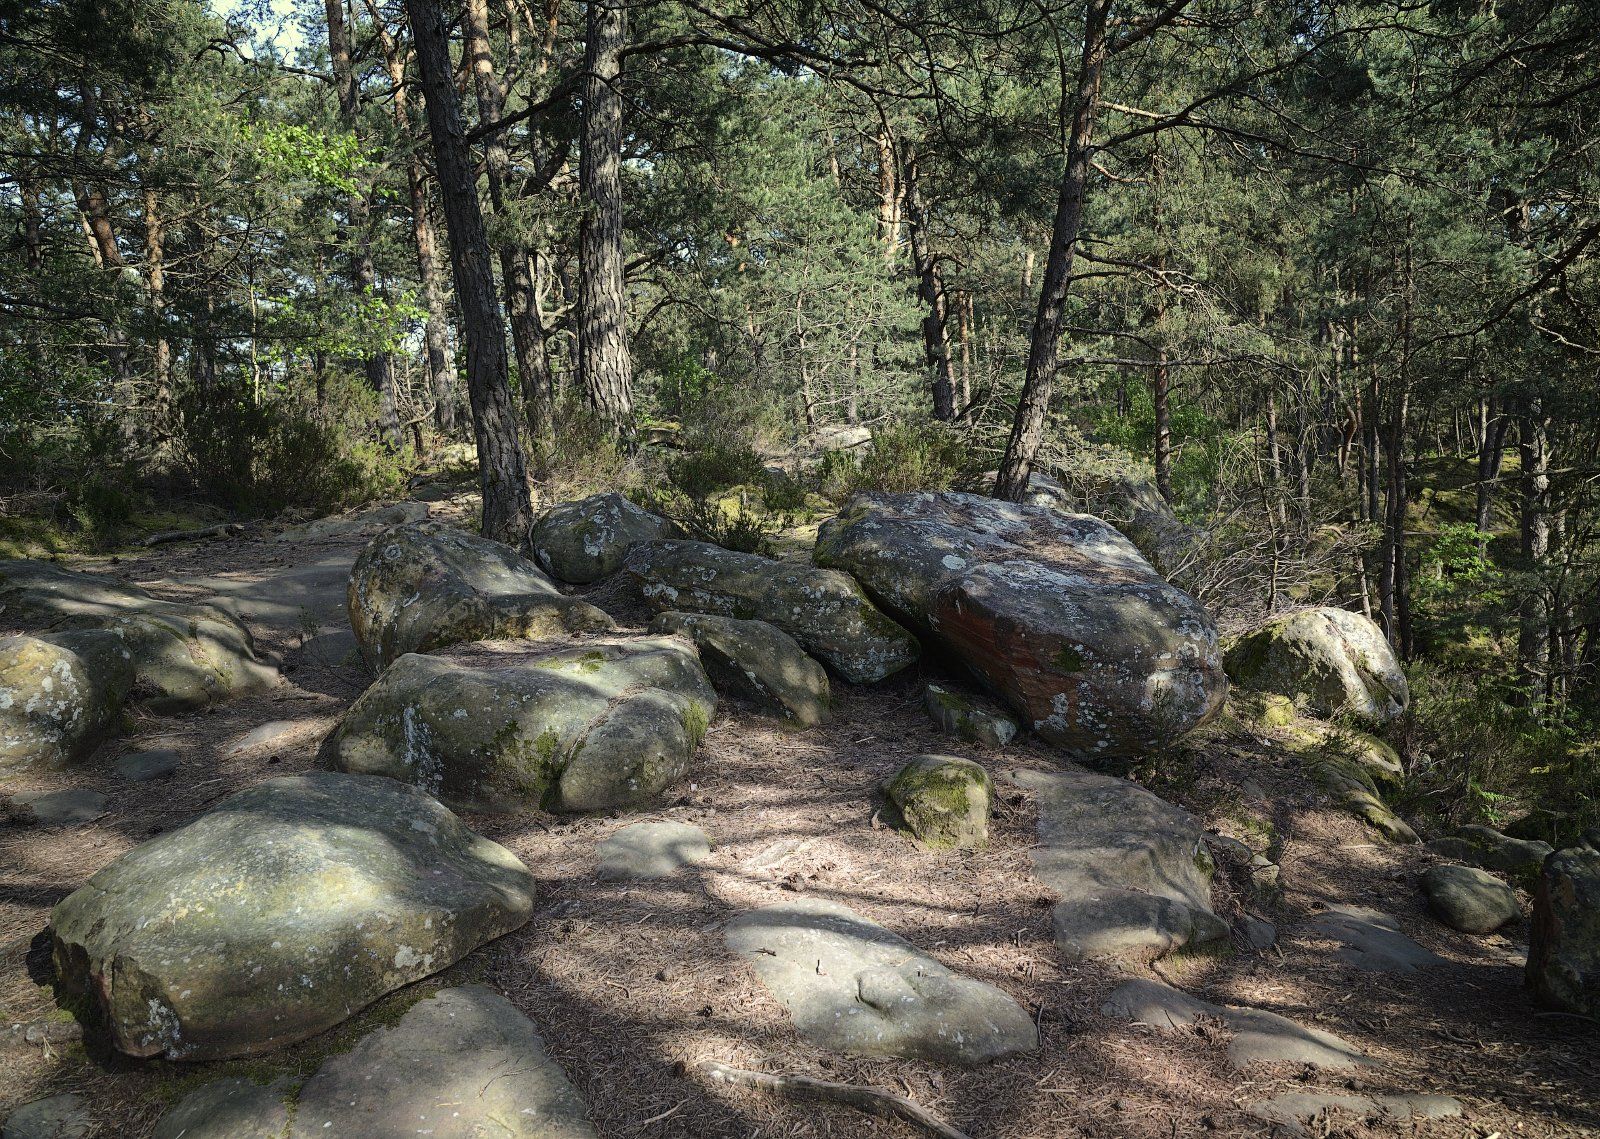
627	979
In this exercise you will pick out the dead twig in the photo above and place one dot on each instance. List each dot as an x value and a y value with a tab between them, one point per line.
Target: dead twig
874	1101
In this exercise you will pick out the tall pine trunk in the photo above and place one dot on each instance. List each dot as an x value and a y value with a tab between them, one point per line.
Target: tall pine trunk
931	290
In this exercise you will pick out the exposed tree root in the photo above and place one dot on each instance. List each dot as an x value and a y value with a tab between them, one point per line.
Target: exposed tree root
873	1101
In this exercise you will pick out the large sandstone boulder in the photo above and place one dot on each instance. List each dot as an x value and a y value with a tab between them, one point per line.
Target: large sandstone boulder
506	726
1339	662
185	655
423	586
1564	944
1057	613
60	695
1469	899
852	986
279	913
825	611
1132	870
757	661
586	540
1130	501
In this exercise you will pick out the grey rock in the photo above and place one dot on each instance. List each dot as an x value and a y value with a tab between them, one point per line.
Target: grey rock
59	1117
227	1109
424	586
143	766
1290	1110
755	660
1258	935
279	913
1338	661
1132	870
945	801
586	540
966	720
652	850
341	527
824	610
60	695
1129	500
1371	940
1564	943
336	649
508	726
71	807
852	986
1486	847
1058	614
1258	1036
263	735
185	655
1468	899
462	1064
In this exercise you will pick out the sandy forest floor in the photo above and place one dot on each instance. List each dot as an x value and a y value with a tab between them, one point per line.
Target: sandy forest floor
627	979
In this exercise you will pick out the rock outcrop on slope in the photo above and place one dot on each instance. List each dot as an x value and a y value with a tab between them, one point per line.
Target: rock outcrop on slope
280	912
1337	662
424	586
1059	614
824	610
506	726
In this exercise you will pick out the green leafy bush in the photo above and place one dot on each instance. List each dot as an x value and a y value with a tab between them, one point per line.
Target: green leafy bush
900	458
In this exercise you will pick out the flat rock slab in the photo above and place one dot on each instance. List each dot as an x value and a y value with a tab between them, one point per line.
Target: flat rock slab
272	732
143	766
1258	1036
1469	899
228	1109
68	808
1132	870
342	527
1292	1109
1371	940
652	850
280	912
1486	847
288	599
852	986
59	1117
462	1064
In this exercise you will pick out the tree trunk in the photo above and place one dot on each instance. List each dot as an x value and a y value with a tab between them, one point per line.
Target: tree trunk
604	364
1044	348
1533	635
156	286
502	468
1491	451
527	331
930	288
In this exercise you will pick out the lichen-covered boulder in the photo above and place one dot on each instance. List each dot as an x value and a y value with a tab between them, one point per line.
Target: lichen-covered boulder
1339	662
1469	899
280	912
185	655
757	661
60	695
508	726
420	587
966	720
824	610
1129	500
1057	613
944	800
1476	845
1564	943
586	540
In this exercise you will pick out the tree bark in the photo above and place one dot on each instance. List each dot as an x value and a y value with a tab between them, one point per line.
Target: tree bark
604	364
1491	451
502	467
156	288
930	288
522	305
1533	634
1044	348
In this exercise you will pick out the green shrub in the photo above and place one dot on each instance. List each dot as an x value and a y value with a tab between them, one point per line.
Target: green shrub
900	458
583	456
709	466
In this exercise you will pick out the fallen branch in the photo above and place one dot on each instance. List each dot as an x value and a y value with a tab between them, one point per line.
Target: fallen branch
874	1101
216	531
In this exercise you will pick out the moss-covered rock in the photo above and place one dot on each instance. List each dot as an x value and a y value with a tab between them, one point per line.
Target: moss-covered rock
944	800
508	726
757	661
1484	846
1339	663
1356	768
185	655
586	540
1564	944
824	610
420	587
60	695
1056	613
1468	899
279	913
965	720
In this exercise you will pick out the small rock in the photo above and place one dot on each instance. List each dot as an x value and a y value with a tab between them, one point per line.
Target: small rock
143	766
227	1109
944	800
966	720
56	808
59	1117
852	986
651	850
1564	943
1371	940
1469	899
